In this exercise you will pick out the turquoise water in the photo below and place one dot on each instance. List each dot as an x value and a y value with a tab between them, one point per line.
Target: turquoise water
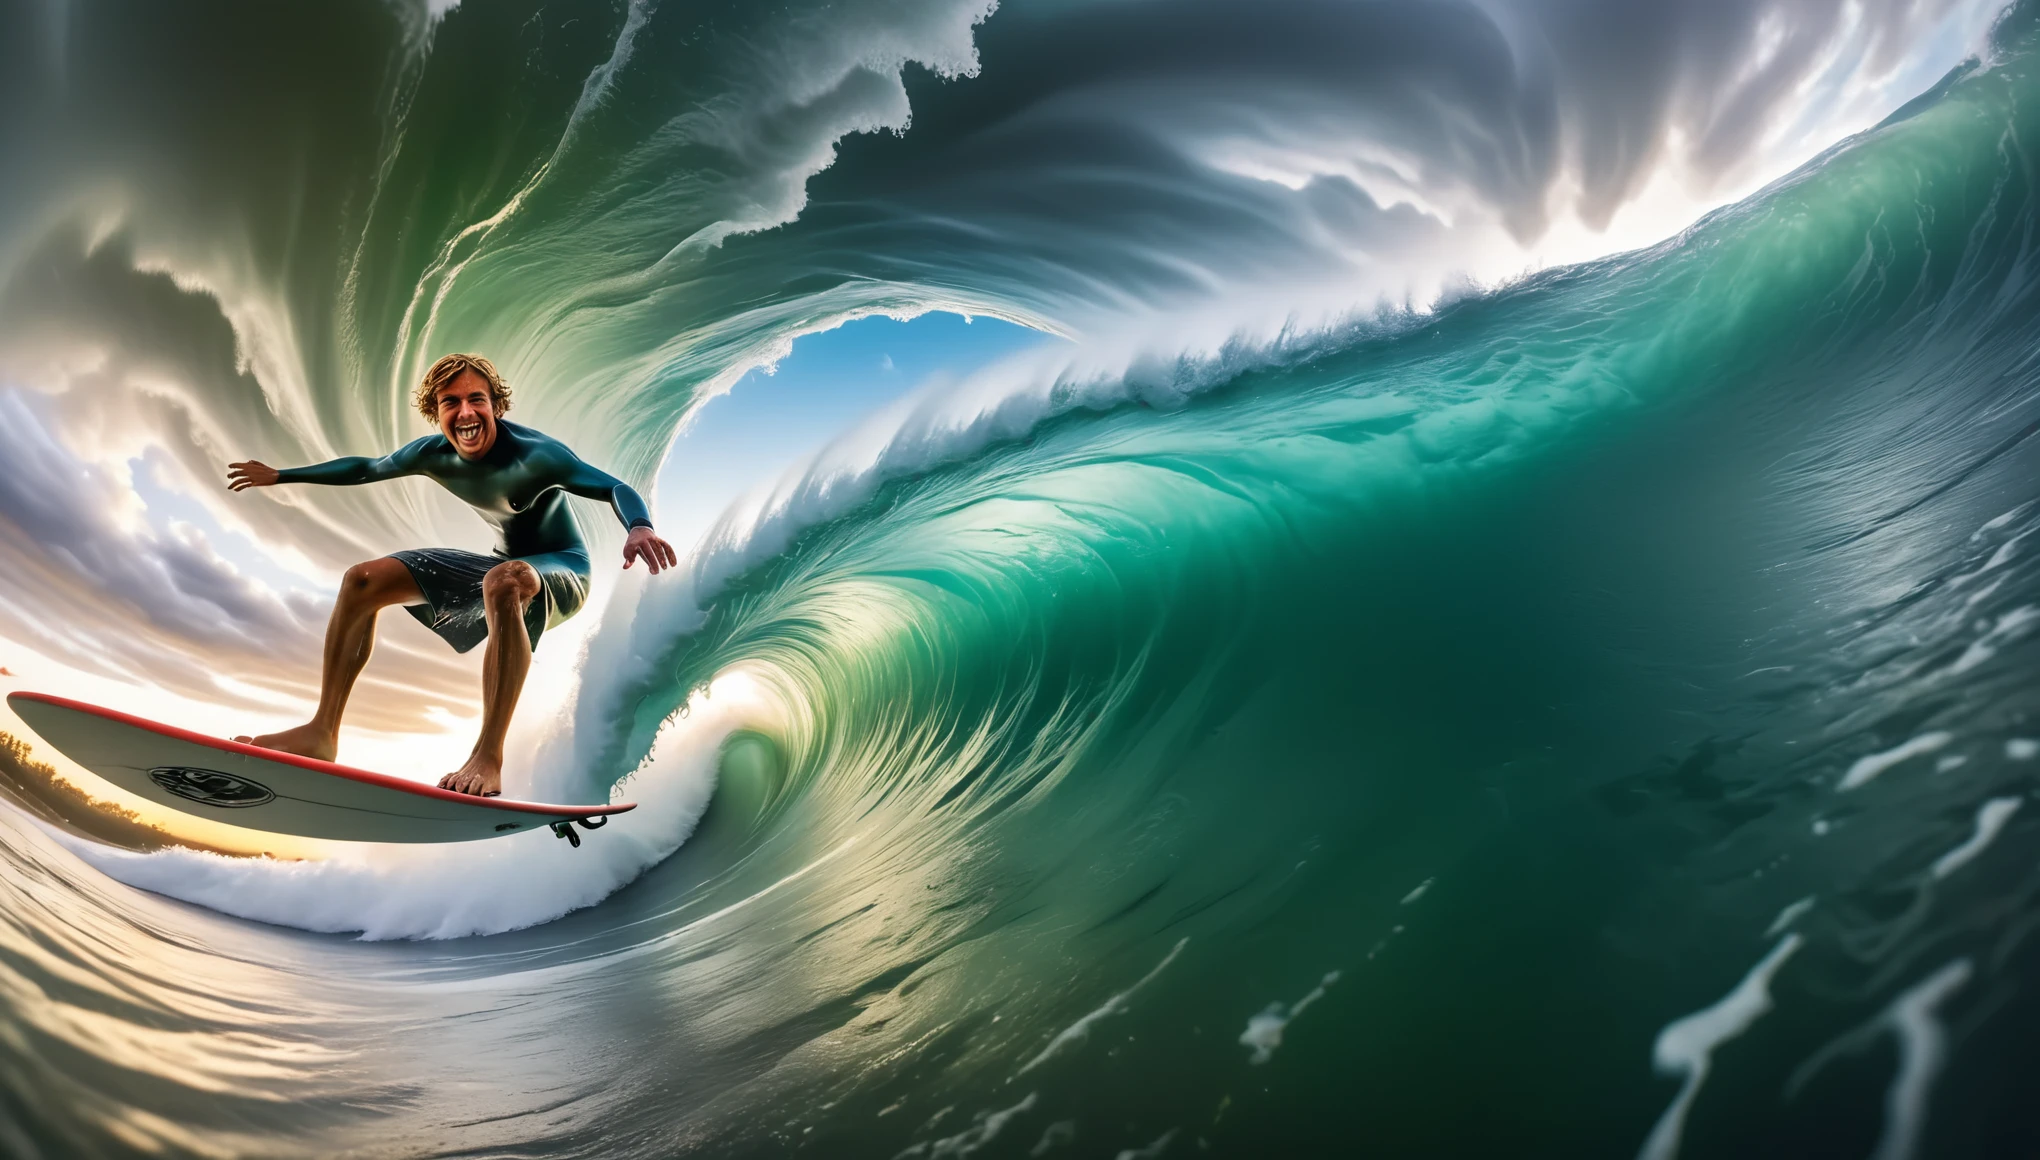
1380	740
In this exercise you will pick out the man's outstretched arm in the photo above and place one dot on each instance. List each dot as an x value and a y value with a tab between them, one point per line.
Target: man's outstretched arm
341	472
590	482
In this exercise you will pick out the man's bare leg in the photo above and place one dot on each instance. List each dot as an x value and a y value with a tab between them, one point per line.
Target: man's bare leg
507	591
365	590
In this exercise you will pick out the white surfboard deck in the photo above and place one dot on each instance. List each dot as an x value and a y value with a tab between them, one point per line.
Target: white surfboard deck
281	793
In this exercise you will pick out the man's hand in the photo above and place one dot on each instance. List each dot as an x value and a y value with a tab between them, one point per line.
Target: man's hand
643	543
242	476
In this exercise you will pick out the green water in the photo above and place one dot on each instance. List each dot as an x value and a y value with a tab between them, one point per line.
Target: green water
1372	744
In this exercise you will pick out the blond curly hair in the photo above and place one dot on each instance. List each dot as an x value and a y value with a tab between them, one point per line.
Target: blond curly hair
450	368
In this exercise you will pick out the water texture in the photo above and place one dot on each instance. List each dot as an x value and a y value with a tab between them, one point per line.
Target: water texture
1589	718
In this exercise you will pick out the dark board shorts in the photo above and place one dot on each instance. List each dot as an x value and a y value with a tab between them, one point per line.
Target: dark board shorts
452	583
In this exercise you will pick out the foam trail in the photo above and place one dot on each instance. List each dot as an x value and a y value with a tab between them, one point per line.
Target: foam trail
983	1131
1996	522
1870	766
2009	627
468	888
1117	1005
1264	1031
1788	916
1687	1045
1054	1136
1990	819
1922	1048
1159	1145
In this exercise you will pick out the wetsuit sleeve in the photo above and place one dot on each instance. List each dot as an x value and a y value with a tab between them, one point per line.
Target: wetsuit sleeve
355	469
593	483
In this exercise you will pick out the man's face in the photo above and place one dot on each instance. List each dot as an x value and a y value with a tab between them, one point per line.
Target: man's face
467	416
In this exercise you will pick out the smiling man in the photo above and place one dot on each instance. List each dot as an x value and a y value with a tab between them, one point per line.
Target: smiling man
516	479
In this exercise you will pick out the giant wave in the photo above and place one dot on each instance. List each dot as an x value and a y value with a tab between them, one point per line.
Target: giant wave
1300	732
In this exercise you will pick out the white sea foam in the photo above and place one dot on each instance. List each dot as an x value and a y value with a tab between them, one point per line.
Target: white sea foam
1264	1031
1990	819
1413	895
2005	552
2009	627
1080	1031
1998	521
1686	1046
1869	767
1054	1136
1913	1019
985	1128
1982	594
1922	1049
466	888
1156	1148
2022	749
1788	916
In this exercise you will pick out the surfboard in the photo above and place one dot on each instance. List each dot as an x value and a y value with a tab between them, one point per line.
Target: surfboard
281	793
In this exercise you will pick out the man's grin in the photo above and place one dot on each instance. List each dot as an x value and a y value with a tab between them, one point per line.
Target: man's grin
467	415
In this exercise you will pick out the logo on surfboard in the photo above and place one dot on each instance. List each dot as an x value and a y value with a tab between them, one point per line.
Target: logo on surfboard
211	787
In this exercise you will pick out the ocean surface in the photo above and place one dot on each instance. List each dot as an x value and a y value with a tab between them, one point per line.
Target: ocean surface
1595	716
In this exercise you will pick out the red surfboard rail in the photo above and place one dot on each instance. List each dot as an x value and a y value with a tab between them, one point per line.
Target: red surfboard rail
114	754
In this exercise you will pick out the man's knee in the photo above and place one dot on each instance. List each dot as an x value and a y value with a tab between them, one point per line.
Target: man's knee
513	582
371	581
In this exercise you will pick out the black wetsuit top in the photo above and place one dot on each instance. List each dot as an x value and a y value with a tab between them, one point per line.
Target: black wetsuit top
516	487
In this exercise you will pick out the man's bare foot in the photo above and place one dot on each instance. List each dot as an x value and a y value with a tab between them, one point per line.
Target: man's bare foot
307	740
481	776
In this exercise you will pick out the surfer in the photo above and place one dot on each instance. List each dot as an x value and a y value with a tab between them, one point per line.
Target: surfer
516	479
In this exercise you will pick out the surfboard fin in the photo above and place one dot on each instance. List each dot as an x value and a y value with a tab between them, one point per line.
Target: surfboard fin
566	829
